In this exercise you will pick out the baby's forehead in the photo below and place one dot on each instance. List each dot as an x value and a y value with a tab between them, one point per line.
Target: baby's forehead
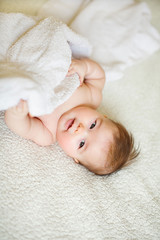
97	152
100	163
97	157
99	147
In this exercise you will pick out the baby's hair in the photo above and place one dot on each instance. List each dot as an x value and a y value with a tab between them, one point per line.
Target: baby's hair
122	150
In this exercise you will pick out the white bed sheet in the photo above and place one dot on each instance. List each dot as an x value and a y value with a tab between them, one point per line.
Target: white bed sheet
45	195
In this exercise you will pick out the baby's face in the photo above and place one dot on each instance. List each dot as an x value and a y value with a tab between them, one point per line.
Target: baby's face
85	135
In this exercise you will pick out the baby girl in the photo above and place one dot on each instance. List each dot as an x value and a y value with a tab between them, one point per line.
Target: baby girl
90	138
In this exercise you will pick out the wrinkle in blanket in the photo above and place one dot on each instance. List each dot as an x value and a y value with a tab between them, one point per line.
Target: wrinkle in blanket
119	30
35	62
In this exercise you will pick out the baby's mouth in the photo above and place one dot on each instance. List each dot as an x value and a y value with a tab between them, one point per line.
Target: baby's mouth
69	123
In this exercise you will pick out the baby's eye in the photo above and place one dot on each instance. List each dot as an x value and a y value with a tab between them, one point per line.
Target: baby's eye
93	125
81	144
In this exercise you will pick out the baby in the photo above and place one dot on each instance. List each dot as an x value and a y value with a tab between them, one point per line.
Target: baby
91	139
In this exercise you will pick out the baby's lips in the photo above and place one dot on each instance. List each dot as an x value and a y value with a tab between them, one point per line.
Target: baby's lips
69	124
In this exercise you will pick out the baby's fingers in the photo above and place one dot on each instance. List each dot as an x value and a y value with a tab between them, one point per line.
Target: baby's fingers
81	79
22	107
71	71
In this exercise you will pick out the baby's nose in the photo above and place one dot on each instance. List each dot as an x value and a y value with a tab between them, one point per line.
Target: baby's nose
79	128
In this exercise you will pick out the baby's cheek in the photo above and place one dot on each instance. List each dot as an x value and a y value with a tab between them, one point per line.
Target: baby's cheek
65	143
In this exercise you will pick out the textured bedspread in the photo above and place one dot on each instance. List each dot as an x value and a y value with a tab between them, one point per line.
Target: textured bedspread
44	195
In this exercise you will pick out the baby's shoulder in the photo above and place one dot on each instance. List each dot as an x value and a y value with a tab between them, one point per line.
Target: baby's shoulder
50	122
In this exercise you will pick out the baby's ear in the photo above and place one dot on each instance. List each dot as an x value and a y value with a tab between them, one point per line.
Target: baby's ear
76	160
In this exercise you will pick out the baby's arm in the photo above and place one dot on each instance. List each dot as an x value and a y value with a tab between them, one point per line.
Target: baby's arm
92	75
19	121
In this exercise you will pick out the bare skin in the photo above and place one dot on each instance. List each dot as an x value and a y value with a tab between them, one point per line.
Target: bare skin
42	130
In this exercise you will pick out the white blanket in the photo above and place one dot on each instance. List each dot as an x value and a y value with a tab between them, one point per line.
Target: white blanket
34	59
35	56
119	31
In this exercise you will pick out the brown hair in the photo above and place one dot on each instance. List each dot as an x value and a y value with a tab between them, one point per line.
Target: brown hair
122	150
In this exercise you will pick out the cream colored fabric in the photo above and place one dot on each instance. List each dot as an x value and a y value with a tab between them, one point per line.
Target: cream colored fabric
44	195
30	7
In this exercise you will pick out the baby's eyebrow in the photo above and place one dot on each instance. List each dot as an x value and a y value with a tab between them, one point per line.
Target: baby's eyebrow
99	122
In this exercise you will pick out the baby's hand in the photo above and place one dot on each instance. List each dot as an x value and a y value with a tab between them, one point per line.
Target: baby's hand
78	66
21	108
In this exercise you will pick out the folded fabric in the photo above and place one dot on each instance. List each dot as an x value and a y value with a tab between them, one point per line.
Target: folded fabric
120	31
35	55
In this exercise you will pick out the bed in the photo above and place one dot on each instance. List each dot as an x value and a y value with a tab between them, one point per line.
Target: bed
44	195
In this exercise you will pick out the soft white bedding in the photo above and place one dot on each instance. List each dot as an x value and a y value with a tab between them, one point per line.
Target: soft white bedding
34	61
45	195
119	31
